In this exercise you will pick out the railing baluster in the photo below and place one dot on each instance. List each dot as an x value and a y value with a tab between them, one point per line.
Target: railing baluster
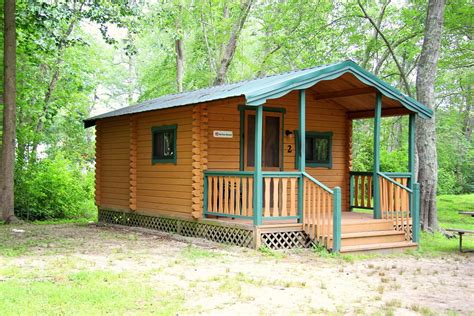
362	191
267	197
232	196
284	197
276	196
356	190
250	199
369	192
237	196
244	196
292	196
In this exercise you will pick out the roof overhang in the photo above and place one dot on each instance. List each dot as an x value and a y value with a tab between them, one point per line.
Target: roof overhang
279	89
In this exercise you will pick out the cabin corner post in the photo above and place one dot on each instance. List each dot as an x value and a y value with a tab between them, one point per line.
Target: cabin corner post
302	151
415	202
132	203
257	174
376	170
98	155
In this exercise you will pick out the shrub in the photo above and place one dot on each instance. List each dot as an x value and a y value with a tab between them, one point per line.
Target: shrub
54	188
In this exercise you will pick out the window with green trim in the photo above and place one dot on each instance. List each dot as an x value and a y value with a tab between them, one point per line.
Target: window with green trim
318	149
164	144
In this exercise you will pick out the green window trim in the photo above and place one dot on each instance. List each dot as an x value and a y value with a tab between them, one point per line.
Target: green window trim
327	135
155	130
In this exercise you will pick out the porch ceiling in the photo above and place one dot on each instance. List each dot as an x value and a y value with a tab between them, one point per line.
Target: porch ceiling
355	96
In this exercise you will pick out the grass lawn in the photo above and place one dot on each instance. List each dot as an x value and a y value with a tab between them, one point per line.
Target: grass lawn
78	268
449	217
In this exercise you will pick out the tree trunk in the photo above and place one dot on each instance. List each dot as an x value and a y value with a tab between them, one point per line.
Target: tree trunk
179	64
229	51
9	114
426	129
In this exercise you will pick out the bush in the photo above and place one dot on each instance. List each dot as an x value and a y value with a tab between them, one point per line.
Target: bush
54	188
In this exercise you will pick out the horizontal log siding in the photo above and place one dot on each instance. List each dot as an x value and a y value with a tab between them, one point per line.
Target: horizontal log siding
224	153
165	188
114	164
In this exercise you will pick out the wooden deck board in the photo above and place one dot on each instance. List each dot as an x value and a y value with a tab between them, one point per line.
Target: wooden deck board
347	218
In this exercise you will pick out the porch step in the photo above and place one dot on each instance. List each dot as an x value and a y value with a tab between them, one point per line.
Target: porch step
368	225
372	237
380	248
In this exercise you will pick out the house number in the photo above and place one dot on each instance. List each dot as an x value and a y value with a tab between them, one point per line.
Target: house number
290	149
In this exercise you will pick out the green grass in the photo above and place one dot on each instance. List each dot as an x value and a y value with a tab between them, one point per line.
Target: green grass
86	293
449	217
194	253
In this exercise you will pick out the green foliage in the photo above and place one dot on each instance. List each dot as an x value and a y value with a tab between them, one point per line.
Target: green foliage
54	188
449	217
72	63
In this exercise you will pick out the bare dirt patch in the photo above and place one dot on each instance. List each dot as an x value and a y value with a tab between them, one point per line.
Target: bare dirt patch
217	279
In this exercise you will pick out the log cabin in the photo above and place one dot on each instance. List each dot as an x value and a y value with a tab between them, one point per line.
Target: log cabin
261	163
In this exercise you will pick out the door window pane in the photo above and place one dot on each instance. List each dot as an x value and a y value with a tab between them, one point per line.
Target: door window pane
272	142
250	140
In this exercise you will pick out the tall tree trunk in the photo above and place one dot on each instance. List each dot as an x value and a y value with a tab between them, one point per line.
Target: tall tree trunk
179	64
426	129
229	51
7	167
179	48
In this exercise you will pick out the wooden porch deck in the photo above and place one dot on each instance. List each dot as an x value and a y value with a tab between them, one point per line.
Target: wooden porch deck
347	218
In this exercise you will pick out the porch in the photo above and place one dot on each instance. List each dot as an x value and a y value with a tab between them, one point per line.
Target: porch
293	203
310	190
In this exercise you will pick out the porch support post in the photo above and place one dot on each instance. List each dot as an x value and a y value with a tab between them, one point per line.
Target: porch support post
415	202
415	195
411	149
302	151
257	174
375	176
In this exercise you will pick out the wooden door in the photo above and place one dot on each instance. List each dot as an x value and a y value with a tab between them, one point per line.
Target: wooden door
272	141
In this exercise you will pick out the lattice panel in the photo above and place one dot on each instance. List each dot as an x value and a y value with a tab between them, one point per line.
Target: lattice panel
404	228
285	240
222	234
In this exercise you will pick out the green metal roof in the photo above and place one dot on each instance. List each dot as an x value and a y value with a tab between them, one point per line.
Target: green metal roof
257	91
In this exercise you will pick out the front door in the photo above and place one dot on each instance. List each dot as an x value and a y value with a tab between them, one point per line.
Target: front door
272	141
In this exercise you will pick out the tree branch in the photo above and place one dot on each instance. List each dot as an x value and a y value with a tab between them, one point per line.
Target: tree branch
387	43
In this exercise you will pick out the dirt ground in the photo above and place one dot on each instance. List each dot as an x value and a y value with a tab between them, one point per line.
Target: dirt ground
219	279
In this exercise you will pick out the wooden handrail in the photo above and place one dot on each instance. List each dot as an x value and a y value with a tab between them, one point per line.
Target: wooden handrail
394	182
325	188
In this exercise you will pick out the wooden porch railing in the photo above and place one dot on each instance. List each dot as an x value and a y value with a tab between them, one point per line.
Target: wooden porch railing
322	213
280	195
398	202
230	194
395	201
361	195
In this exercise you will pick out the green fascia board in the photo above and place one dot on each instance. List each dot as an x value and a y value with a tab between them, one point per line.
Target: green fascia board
282	87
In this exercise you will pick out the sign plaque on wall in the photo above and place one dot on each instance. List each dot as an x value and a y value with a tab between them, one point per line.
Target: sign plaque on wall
223	134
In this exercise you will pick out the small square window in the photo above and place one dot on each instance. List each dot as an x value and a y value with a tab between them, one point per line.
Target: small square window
164	144
318	149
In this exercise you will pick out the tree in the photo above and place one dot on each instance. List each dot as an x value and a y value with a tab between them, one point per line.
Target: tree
229	49
9	114
426	129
